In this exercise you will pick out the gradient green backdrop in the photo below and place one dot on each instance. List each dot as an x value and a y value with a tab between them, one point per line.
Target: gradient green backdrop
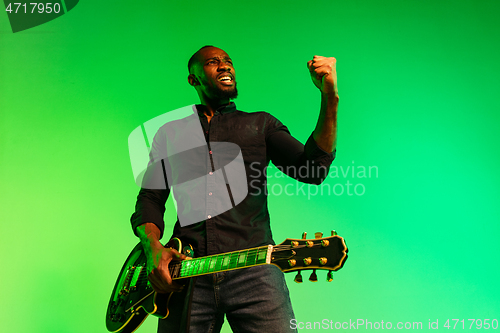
418	82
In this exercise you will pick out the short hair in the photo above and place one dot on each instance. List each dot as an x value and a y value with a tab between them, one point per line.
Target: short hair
193	59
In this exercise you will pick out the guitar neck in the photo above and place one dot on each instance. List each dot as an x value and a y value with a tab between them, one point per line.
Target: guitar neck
221	262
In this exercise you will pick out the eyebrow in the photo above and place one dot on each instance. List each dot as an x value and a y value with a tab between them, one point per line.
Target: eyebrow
218	58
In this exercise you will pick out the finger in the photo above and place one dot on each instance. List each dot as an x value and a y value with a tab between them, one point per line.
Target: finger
321	71
164	275
317	65
180	257
168	289
309	64
157	288
162	286
177	255
156	277
330	62
176	287
153	280
323	63
174	251
320	58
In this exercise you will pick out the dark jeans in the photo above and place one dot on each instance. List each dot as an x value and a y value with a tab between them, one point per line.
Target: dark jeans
254	299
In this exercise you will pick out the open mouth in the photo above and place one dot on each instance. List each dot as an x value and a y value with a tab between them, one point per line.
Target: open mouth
226	79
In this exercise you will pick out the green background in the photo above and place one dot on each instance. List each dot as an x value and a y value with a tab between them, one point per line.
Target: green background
418	84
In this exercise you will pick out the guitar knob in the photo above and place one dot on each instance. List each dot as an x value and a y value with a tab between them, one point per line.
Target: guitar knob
329	276
304	235
318	235
188	251
313	277
334	233
298	278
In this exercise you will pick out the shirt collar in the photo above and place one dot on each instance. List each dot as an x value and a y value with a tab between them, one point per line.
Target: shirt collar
231	107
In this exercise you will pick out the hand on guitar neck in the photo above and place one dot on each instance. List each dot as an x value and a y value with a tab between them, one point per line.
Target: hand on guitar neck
158	258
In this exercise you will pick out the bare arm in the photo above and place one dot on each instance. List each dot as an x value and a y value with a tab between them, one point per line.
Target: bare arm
158	258
324	76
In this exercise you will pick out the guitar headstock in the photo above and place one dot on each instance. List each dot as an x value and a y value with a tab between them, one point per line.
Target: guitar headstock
325	253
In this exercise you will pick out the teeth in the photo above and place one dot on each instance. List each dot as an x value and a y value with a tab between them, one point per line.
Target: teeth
225	78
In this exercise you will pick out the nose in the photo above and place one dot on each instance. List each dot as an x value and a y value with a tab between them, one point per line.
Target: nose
224	66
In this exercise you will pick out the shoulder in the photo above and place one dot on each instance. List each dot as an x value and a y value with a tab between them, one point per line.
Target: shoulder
264	120
263	116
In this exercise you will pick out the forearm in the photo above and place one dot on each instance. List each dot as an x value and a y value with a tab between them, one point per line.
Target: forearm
325	133
158	258
149	235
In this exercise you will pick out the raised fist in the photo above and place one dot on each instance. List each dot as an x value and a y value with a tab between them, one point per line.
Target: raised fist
324	74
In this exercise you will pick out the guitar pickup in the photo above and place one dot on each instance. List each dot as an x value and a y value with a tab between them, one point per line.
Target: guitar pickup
135	277
131	278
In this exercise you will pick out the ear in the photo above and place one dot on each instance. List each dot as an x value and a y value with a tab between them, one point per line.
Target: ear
193	80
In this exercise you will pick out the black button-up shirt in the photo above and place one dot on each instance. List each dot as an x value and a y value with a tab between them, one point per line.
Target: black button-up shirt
262	138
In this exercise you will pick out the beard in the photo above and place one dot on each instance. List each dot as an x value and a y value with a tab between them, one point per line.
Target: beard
229	92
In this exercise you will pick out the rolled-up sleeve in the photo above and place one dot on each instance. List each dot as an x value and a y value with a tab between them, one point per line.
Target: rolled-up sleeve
150	208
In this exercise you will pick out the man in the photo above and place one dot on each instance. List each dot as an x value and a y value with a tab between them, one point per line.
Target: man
254	299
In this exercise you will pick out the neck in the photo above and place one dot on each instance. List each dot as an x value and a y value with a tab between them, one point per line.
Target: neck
212	105
221	262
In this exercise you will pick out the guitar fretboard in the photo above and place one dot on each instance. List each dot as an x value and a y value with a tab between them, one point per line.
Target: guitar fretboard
220	262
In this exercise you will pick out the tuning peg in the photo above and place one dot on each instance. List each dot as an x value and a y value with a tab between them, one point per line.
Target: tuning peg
318	235
304	235
334	233
313	277
298	278
329	276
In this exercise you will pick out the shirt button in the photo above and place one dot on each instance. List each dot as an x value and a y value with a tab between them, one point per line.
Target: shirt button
209	193
209	216
210	173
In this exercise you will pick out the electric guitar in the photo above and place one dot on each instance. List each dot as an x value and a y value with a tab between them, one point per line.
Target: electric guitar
133	297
